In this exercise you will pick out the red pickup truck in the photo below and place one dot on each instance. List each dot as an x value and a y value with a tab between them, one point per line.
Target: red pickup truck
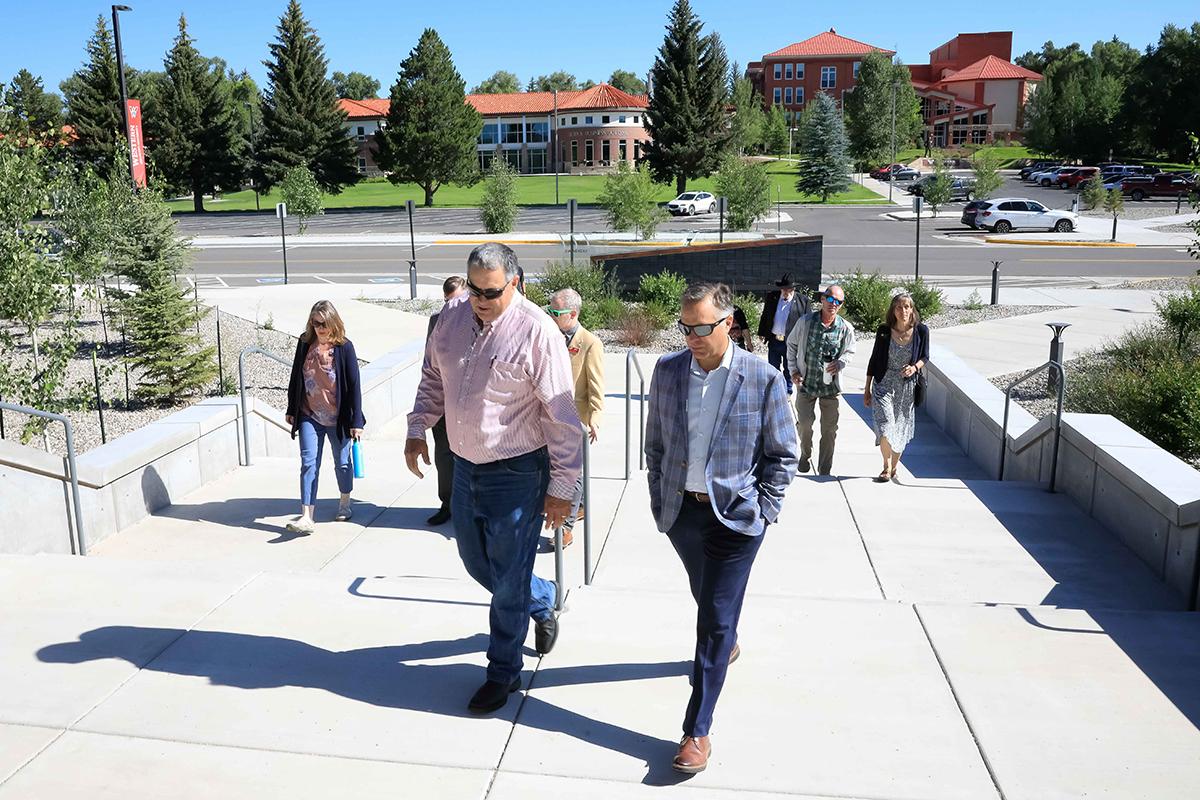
1072	180
1139	187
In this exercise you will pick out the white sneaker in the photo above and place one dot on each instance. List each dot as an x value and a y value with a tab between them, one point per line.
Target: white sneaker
344	513
301	524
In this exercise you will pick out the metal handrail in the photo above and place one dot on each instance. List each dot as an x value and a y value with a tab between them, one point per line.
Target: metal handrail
631	363
242	391
587	530
1051	367
82	549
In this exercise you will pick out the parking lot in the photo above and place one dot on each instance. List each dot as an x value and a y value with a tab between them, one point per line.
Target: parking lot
1051	197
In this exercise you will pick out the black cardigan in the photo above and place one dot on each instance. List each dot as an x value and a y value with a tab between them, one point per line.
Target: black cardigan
877	366
345	366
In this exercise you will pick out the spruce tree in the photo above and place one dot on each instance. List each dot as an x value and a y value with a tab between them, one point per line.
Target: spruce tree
31	108
302	123
686	115
93	96
160	317
200	149
431	130
824	163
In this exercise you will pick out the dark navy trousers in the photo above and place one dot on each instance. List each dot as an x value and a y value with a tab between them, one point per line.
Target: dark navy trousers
718	562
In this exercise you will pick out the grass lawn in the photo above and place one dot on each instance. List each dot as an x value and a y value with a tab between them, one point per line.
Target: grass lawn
1006	154
531	190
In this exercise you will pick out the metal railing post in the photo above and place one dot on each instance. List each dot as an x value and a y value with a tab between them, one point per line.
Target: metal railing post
242	392
628	386
641	421
81	549
558	569
1052	367
1062	391
631	363
587	516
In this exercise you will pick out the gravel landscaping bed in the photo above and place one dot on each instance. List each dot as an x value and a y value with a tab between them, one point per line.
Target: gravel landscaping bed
1180	228
265	379
1178	284
1134	211
670	339
1035	395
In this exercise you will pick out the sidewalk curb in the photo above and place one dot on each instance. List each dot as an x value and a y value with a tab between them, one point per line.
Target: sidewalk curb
1053	243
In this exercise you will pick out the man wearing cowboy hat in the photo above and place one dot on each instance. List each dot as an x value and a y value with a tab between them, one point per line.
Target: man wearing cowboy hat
781	312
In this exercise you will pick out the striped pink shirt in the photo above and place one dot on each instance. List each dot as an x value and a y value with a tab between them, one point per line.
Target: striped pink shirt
505	389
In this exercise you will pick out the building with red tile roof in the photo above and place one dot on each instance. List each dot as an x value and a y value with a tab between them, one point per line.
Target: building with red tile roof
792	75
596	128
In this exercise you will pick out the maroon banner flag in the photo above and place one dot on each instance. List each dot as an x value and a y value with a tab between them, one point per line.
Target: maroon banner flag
137	150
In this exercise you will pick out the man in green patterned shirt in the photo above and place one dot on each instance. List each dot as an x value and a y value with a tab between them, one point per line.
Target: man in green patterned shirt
819	347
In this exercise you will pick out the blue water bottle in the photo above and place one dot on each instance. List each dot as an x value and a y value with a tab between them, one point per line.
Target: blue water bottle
356	457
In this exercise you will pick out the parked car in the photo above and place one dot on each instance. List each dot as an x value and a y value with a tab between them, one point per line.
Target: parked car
960	188
1082	175
1012	213
885	173
1124	169
1046	180
1038	166
692	203
1165	184
906	174
970	210
1037	175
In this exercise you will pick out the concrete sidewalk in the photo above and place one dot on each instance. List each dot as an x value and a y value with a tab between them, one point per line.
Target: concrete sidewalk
942	636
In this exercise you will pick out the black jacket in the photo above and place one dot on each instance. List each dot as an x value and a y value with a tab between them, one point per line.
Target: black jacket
767	320
877	366
345	366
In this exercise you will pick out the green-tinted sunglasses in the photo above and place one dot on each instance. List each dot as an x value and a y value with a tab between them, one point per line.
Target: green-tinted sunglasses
557	312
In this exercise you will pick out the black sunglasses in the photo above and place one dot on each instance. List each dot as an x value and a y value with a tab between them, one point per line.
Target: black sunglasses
700	330
487	294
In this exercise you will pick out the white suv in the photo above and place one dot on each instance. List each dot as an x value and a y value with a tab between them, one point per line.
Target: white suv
692	203
1010	213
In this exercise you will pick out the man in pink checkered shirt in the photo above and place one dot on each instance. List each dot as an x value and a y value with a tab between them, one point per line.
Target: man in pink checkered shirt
495	366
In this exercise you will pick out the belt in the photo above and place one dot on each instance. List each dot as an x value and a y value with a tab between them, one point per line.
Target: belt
699	497
779	337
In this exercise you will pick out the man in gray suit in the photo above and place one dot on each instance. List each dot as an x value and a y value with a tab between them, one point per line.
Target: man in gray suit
720	453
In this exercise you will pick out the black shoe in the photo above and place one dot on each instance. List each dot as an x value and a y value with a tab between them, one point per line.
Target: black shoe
442	515
545	634
805	465
492	696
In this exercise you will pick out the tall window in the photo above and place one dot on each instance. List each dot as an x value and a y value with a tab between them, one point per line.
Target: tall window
800	72
485	159
778	71
574	154
637	150
828	77
777	97
587	151
362	133
605	150
537	131
362	166
513	157
511	132
799	95
622	151
490	133
574	120
787	71
787	96
537	160
857	64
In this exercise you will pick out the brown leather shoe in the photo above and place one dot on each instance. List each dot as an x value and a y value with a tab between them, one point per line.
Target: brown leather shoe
693	755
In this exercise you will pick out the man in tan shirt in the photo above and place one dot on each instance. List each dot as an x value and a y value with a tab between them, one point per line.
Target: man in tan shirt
587	370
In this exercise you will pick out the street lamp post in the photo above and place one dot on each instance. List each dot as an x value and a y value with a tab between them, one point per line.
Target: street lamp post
554	146
253	153
121	77
892	178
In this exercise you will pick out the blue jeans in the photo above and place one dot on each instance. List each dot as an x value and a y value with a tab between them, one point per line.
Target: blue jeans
777	358
312	445
497	514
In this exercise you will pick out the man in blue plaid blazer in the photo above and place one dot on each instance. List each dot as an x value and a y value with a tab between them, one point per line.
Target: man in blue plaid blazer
720	453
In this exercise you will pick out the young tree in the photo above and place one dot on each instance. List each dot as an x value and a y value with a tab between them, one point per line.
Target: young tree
560	80
301	120
986	169
775	131
686	115
936	191
630	198
869	111
431	132
355	85
1093	192
1114	203
501	82
498	204
824	163
93	97
746	188
160	317
302	194
626	81
748	120
31	108
200	147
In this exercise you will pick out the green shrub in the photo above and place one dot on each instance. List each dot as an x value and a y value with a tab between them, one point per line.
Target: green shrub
867	298
536	293
751	305
604	313
1180	312
663	289
663	315
498	203
582	276
974	301
927	299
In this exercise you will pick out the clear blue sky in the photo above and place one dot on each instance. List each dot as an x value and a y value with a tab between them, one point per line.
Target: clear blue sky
49	38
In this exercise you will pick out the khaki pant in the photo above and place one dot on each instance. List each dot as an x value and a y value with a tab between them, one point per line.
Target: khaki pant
806	415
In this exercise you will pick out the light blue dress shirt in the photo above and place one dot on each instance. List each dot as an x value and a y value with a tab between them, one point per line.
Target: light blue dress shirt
705	390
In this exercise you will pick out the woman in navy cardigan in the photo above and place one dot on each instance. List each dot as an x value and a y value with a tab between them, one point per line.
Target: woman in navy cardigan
324	401
901	351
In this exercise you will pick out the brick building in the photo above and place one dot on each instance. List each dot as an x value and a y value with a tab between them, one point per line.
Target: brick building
596	128
827	62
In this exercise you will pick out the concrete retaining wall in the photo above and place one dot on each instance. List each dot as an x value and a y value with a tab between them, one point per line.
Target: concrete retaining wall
1143	494
131	477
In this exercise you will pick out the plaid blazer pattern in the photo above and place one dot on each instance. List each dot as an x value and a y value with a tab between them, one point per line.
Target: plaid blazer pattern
752	458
